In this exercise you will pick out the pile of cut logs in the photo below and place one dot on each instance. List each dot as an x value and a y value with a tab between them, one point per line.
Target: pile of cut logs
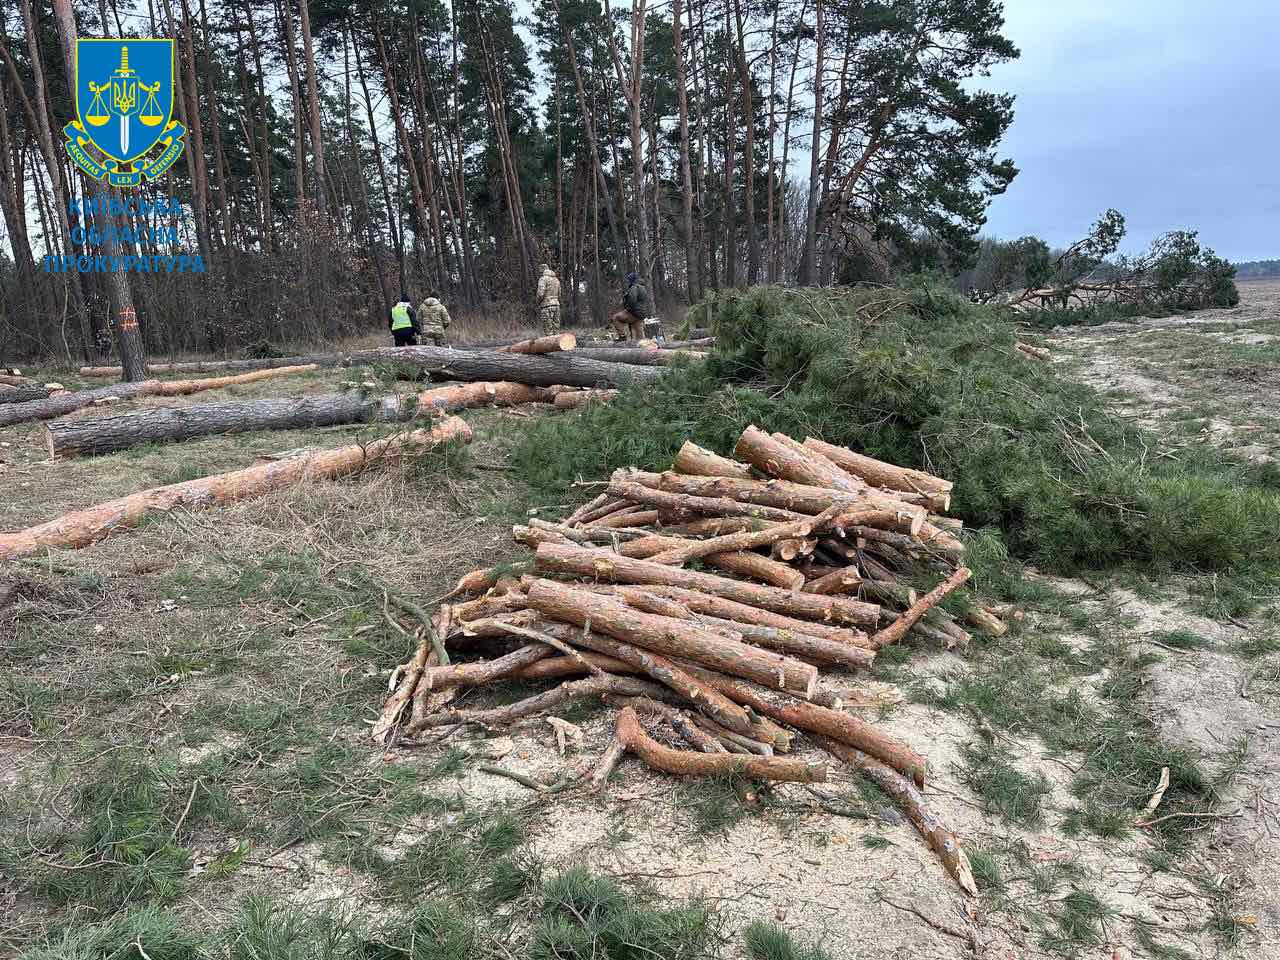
710	600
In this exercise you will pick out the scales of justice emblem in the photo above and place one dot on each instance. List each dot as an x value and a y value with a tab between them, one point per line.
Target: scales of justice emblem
124	103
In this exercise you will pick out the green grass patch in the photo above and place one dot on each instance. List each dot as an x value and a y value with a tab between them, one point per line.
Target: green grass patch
768	941
1003	788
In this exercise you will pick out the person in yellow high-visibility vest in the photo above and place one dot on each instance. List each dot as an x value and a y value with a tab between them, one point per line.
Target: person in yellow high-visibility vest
403	323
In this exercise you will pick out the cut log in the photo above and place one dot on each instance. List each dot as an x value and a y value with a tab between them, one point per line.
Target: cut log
83	527
688	764
682	502
542	370
480	672
573	399
888	475
918	811
626	518
775	456
749	540
797	498
211	366
898	629
166	424
478	581
680	721
549	701
22	394
793	548
986	621
699	461
756	566
598	501
815	719
588	562
640	356
64	403
671	637
842	581
712	526
490	606
554	343
554	667
607	764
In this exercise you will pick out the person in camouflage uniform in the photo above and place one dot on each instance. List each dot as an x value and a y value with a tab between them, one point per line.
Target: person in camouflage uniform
433	320
548	297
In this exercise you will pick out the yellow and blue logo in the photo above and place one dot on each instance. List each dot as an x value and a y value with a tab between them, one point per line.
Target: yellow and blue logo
124	105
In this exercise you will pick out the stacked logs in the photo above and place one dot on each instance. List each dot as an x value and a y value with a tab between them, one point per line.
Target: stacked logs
710	600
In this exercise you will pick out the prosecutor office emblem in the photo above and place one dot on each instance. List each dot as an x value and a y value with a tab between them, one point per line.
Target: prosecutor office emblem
123	131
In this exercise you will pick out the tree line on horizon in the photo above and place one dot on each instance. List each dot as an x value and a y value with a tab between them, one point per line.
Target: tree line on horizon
339	152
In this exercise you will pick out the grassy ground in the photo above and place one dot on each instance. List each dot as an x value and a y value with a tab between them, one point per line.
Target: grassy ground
186	768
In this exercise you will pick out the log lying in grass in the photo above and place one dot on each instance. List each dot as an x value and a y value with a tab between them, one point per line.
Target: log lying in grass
700	461
83	527
586	562
165	424
541	370
64	403
554	343
686	763
211	366
640	356
573	399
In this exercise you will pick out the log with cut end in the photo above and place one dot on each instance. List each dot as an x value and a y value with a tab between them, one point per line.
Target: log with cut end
587	562
83	527
166	424
478	581
64	403
554	343
699	461
626	518
748	540
774	455
931	826
843	580
820	720
986	621
478	672
555	667
568	368
685	763
669	636
888	475
573	399
680	721
640	356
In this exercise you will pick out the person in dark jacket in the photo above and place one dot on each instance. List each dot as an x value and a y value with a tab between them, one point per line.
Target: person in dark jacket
403	323
628	323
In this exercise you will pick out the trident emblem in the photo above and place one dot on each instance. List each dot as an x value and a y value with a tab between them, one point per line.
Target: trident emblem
123	86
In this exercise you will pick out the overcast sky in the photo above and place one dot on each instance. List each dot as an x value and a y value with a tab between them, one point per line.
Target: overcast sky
1167	110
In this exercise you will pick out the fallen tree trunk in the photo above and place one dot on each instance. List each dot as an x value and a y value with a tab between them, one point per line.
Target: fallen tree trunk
166	424
930	825
686	763
677	638
210	366
83	527
541	370
64	403
573	399
551	344
588	562
22	394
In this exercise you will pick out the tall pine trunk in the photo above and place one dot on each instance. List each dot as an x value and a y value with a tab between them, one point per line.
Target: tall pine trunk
815	149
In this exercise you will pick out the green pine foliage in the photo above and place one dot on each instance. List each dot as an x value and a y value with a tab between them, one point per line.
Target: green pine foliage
934	382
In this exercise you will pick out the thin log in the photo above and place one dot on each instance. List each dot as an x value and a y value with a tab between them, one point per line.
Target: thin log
715	506
749	540
931	827
669	636
829	723
640	356
404	690
568	368
480	672
756	566
587	562
842	581
554	343
598	501
64	403
772	454
986	621
699	461
887	475
83	527
686	763
637	518
478	581
554	667
606	765
573	399
898	629
549	701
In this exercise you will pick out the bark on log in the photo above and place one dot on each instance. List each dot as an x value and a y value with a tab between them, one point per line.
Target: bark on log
573	399
887	475
772	454
755	566
627	518
986	621
478	581
688	764
166	424
587	562
715	506
590	505
680	721
22	394
554	343
83	527
554	667
639	356
607	764
921	815
549	701
749	540
63	403
210	366
829	723
490	606
713	526
671	637
898	629
843	581
544	370
480	672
